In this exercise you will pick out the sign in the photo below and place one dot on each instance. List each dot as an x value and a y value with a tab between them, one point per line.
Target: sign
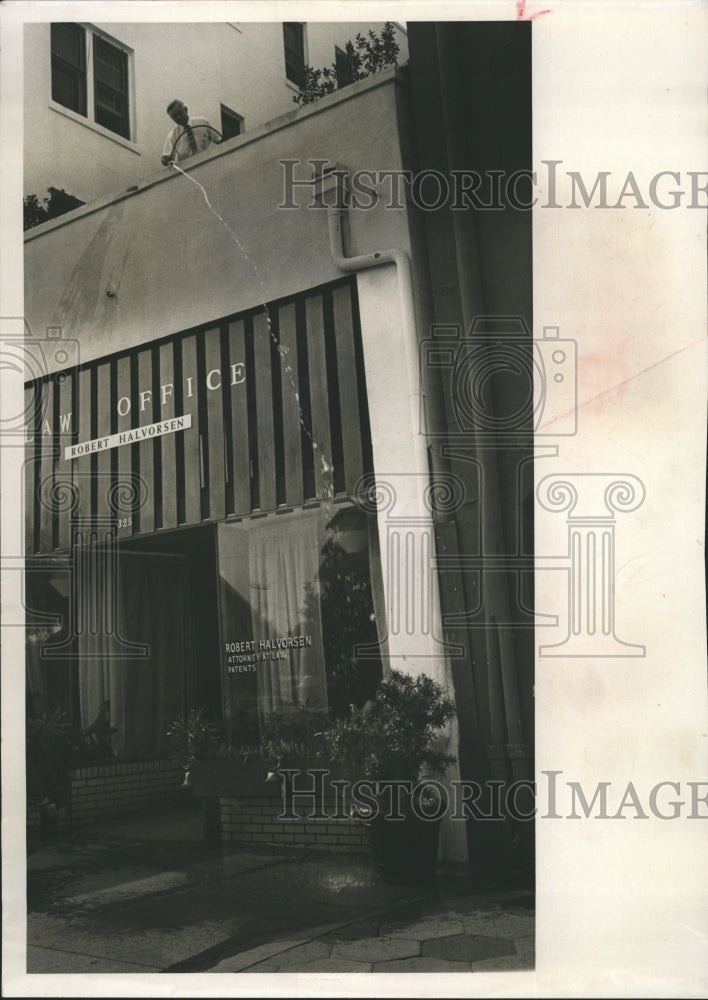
242	657
134	436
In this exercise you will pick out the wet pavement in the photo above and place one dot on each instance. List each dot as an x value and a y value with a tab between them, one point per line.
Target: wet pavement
147	895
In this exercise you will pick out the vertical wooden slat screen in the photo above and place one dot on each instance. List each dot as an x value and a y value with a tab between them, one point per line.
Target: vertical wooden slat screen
244	451
125	469
319	402
82	465
264	389
145	404
349	404
168	442
65	475
291	407
192	452
103	429
46	467
215	422
239	422
30	468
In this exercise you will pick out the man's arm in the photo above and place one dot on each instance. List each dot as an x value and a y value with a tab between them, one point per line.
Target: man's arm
166	157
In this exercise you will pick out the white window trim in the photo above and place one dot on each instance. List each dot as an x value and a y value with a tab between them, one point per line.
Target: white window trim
88	120
94	127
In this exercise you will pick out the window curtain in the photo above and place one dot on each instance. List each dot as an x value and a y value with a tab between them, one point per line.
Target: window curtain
284	564
146	694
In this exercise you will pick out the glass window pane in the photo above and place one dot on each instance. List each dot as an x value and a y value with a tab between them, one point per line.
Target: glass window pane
110	66
110	72
68	61
68	43
301	615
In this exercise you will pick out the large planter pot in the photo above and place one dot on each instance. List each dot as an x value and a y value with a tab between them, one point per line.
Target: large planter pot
405	851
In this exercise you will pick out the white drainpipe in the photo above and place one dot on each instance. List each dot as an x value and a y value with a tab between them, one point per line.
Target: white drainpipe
332	187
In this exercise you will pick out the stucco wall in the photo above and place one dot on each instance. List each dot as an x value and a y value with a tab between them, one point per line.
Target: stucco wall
170	263
241	66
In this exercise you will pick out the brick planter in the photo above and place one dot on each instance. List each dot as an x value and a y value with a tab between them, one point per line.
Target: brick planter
251	808
117	789
256	820
99	791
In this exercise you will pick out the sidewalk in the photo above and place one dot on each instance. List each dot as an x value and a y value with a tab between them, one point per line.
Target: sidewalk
146	895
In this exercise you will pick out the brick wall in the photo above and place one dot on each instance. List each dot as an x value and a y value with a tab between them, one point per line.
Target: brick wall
115	789
254	820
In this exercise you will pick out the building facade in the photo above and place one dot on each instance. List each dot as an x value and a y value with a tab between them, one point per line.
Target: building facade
96	94
259	474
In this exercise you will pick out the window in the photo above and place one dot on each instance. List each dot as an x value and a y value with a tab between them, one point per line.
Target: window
69	66
294	42
90	76
231	123
303	619
110	75
343	67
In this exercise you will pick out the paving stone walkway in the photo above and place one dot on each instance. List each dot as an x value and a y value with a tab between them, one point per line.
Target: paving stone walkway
475	941
131	899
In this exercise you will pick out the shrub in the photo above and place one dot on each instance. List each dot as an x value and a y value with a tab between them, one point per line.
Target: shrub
393	736
369	54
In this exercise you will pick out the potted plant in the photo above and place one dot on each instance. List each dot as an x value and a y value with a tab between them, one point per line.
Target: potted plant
192	737
393	738
48	758
217	766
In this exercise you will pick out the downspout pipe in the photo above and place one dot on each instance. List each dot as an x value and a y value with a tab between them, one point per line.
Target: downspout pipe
334	184
331	187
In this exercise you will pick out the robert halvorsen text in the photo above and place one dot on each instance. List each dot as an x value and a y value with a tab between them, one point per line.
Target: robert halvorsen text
134	436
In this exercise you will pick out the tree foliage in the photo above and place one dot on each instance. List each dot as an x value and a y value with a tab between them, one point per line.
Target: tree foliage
58	203
369	54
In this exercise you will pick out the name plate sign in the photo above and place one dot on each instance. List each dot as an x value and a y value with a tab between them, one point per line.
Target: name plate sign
134	436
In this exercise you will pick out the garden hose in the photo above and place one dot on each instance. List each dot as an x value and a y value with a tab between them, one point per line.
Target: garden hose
189	128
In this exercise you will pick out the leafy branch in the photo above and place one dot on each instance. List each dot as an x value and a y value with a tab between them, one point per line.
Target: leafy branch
369	54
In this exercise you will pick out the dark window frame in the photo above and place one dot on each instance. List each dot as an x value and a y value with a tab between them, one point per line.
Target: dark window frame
96	73
111	101
343	67
76	72
230	117
294	51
